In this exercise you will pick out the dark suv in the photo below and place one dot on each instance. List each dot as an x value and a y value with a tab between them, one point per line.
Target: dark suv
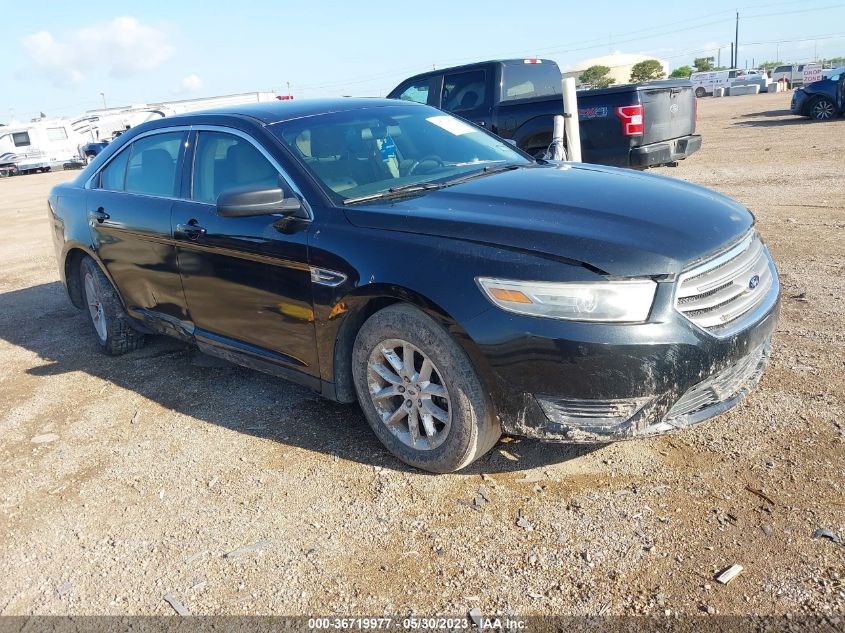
394	254
821	100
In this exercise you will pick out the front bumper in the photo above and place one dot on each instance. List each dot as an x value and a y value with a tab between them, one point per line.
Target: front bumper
799	98
665	151
657	376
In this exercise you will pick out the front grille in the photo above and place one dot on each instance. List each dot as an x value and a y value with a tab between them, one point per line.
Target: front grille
723	294
723	386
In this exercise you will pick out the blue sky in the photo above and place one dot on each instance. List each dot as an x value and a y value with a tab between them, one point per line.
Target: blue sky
59	56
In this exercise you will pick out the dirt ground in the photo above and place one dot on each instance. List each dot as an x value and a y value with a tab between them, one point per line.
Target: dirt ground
125	479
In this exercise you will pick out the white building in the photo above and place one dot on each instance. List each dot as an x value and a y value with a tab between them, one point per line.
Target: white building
620	65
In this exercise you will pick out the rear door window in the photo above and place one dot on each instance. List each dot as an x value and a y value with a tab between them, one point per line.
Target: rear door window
464	91
225	161
153	163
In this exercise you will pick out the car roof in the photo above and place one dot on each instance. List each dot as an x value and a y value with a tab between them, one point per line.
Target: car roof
277	111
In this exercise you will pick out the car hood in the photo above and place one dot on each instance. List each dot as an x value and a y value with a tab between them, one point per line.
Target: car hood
622	222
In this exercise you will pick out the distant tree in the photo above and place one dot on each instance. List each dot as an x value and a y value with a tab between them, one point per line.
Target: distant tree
769	65
703	64
682	72
647	70
596	76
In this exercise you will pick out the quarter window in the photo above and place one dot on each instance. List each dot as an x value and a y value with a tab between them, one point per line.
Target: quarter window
113	177
418	92
152	166
225	161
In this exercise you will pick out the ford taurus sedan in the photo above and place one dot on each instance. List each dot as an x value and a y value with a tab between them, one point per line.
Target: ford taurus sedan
393	254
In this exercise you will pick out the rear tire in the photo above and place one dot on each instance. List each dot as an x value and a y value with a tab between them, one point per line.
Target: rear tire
700	92
822	109
111	325
420	393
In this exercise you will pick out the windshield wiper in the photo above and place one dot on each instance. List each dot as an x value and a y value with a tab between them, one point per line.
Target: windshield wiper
395	192
492	169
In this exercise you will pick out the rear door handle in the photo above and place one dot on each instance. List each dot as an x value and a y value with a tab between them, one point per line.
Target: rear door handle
99	215
192	230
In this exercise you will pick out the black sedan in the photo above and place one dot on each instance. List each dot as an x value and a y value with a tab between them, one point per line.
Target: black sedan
393	254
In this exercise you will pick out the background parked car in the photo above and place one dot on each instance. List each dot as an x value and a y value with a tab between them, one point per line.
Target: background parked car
821	100
794	74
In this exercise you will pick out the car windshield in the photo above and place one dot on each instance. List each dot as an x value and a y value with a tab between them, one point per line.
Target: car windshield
366	153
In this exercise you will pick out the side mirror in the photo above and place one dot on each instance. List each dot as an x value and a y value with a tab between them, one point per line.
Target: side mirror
248	201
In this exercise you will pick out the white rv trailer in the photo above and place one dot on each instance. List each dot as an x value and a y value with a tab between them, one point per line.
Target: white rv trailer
41	145
38	146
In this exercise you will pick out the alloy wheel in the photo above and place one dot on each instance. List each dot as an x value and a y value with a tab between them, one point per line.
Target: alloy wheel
95	307
823	110
408	392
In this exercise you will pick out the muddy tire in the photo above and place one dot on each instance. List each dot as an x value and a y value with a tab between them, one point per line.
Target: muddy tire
109	321
420	393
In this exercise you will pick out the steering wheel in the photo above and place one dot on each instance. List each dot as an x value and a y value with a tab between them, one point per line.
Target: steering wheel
430	158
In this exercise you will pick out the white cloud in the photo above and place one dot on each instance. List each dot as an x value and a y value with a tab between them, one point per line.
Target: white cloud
123	46
190	83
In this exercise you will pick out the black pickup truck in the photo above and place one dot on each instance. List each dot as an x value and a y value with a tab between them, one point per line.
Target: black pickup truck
635	125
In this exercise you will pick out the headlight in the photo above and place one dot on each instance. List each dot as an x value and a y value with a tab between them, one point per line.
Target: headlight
610	301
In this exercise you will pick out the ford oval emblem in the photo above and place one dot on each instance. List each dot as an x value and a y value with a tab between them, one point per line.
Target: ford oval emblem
674	108
754	282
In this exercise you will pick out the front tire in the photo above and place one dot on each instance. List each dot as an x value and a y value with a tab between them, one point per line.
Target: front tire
420	393
700	92
112	329
822	109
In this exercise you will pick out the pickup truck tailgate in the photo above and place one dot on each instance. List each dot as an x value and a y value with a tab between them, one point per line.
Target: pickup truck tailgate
669	112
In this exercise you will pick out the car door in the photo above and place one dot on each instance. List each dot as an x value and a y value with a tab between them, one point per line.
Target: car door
466	94
841	93
246	279
129	205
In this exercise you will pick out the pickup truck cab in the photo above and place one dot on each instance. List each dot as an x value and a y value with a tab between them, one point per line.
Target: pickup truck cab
635	125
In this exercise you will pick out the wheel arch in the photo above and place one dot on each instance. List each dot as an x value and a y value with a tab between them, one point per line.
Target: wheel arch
361	304
73	256
72	260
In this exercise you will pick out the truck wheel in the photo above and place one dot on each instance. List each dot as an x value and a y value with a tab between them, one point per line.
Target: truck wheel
700	92
110	322
420	393
822	109
89	158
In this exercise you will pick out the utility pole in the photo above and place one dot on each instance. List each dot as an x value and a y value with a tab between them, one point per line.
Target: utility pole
288	83
719	58
736	42
777	51
103	95
732	55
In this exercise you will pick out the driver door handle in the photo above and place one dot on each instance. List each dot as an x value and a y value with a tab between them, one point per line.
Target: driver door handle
192	230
